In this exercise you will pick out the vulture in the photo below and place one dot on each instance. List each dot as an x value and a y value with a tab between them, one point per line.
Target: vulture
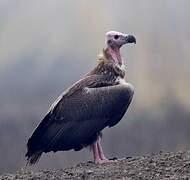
78	116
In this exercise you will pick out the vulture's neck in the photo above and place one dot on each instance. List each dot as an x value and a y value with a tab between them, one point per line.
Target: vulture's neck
113	54
110	63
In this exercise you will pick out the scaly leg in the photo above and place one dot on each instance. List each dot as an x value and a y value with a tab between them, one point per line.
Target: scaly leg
100	150
98	153
95	153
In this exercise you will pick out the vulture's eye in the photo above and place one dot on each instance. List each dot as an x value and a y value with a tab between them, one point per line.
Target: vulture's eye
116	36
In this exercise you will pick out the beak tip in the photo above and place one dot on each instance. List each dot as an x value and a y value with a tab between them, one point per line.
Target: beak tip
131	39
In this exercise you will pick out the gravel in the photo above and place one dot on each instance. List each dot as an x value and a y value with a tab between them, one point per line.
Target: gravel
154	166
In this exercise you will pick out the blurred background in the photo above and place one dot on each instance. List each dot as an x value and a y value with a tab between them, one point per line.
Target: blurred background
46	45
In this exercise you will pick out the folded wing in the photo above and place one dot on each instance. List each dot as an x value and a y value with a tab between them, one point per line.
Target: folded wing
79	115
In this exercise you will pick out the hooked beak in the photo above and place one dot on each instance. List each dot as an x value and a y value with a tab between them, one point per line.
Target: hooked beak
130	39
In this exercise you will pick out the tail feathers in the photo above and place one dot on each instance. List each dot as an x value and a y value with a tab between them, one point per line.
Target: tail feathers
34	145
33	158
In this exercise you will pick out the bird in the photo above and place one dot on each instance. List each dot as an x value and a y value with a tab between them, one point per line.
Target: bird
78	116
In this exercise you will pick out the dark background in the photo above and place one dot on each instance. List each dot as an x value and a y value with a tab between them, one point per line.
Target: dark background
46	45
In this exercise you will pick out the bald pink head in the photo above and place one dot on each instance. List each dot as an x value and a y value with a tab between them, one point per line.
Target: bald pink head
117	39
114	40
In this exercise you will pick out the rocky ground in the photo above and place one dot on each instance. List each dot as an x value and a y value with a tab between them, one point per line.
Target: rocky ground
155	166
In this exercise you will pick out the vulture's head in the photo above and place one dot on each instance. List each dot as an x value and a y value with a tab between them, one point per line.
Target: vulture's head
114	40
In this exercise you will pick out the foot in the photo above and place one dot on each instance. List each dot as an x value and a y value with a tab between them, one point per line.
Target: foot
102	161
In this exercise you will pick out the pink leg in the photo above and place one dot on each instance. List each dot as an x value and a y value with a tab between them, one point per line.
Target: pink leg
98	154
95	152
100	150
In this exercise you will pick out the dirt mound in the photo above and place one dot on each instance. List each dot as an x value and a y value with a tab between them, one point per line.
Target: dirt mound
155	166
